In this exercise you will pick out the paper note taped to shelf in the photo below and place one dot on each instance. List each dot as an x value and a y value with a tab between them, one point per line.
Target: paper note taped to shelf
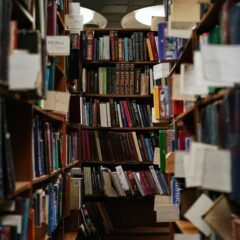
161	70
180	236
217	170
167	213
221	64
73	21
58	45
57	101
179	163
25	71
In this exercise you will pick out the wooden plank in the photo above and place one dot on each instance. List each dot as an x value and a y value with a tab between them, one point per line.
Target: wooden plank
186	227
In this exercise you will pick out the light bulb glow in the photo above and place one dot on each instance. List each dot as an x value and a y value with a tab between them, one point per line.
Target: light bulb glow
87	14
144	15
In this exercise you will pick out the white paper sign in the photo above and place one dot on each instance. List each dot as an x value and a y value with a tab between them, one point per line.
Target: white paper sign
221	64
179	163
57	101
167	213
194	214
194	170
74	8
217	170
180	236
161	70
25	71
73	21
58	45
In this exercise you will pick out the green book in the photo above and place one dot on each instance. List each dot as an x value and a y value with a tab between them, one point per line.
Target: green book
162	146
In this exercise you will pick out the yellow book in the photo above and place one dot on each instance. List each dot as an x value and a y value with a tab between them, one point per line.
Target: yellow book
150	53
156	103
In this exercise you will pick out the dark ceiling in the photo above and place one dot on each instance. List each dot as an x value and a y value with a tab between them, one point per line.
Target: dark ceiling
114	10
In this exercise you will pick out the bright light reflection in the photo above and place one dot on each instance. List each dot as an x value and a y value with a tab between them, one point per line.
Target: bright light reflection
87	14
144	15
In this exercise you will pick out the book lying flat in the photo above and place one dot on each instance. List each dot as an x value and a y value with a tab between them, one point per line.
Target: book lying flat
219	217
194	214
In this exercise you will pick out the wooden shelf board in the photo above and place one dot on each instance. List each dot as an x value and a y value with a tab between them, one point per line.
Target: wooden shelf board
118	29
46	177
49	114
127	128
104	197
185	114
186	227
118	162
75	163
21	186
142	230
115	96
70	236
24	17
212	98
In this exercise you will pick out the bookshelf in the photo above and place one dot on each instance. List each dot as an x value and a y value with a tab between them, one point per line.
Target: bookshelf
36	154
119	144
208	132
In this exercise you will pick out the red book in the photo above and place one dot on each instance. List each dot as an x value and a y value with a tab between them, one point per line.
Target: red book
112	46
153	45
52	18
127	113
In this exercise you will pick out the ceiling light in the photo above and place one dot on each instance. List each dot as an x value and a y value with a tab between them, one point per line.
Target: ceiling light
92	17
87	14
144	15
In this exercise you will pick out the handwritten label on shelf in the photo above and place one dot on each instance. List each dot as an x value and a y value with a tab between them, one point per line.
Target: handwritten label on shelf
58	45
73	21
21	75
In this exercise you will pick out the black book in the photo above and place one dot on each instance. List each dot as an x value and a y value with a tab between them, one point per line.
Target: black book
8	164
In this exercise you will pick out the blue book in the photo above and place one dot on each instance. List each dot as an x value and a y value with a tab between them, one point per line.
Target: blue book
161	40
124	119
148	146
51	211
234	24
125	44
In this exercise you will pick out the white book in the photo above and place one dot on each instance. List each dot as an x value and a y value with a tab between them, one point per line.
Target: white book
109	124
137	146
117	184
137	179
84	83
196	211
119	115
100	80
103	114
155	178
122	178
184	236
106	47
12	220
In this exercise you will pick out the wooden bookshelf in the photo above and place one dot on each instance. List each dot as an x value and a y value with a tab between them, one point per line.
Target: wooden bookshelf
161	126
117	163
46	177
70	236
117	96
60	21
188	113
186	227
71	165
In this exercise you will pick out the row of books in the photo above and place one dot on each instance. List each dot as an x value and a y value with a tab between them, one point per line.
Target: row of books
96	222
48	147
140	46
115	183
124	79
71	147
48	143
116	114
47	204
117	146
15	223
